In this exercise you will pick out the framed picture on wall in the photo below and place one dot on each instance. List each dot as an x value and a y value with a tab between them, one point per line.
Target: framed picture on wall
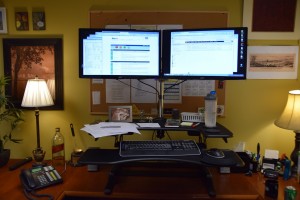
21	20
249	10
3	22
272	62
38	21
26	58
120	113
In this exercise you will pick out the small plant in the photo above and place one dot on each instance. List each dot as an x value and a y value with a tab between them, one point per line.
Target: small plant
10	116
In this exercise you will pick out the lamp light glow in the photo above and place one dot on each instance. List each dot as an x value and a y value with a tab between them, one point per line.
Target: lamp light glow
37	95
290	120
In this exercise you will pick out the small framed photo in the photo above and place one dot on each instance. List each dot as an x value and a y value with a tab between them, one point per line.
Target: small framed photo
3	23
21	20
120	113
38	21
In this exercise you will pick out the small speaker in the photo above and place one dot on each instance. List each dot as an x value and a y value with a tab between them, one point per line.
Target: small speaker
175	113
92	168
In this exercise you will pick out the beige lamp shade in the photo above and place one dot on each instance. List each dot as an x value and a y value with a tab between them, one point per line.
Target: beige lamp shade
51	87
290	117
36	94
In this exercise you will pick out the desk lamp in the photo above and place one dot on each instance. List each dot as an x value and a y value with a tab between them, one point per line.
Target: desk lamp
290	120
37	95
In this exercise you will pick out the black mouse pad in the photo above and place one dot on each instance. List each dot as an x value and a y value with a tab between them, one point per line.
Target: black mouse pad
230	158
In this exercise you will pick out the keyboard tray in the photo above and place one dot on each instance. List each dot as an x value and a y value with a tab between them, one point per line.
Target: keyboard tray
159	148
111	156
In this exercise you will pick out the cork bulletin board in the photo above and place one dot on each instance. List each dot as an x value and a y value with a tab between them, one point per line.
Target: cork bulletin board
99	19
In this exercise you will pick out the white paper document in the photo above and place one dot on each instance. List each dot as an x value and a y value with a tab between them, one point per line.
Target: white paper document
143	93
103	129
172	92
96	97
271	154
197	87
117	91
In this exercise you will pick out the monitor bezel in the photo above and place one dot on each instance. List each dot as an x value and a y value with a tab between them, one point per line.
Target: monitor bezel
84	32
166	56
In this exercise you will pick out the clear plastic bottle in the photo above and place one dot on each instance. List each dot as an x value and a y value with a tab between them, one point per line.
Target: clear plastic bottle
210	118
58	149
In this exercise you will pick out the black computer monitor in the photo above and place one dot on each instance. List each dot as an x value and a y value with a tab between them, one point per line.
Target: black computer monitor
205	54
118	54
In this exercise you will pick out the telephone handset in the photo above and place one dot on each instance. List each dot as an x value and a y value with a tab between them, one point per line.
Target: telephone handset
39	177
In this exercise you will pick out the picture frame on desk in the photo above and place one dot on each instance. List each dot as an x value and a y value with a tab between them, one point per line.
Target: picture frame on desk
26	58
120	113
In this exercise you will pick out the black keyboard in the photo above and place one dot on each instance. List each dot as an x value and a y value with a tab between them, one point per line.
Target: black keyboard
159	148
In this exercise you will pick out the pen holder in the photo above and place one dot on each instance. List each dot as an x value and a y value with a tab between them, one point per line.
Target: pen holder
254	166
75	157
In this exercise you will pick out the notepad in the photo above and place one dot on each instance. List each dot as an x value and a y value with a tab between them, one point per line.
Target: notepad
172	123
186	124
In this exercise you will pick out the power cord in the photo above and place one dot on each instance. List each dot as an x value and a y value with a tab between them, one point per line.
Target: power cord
31	193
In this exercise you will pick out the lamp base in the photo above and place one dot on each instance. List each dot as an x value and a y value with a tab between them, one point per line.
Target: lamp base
38	155
294	155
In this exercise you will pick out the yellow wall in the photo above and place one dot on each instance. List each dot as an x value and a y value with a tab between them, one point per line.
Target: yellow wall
251	105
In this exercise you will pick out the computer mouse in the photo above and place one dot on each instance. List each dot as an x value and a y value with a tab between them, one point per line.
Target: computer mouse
216	153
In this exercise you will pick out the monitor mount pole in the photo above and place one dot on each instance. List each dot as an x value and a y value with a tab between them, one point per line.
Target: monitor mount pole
161	100
160	119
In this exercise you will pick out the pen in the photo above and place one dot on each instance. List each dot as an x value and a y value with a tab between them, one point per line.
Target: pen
194	125
72	130
257	151
75	148
111	127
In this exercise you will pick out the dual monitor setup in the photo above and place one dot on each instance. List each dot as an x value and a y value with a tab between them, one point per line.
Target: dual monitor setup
184	54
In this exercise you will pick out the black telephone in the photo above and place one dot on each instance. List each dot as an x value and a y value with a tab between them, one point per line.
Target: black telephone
39	177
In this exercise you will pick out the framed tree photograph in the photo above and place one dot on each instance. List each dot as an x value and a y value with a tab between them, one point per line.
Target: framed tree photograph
34	57
3	23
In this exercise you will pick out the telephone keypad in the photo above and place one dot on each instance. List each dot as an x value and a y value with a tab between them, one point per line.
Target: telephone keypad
40	177
43	180
48	175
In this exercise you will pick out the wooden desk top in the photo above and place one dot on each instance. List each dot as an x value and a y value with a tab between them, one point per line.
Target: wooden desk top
81	183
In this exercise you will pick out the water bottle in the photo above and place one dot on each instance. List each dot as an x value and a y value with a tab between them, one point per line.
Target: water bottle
287	170
210	118
58	149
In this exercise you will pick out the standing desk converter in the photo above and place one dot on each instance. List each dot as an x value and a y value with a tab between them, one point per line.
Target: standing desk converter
111	157
200	131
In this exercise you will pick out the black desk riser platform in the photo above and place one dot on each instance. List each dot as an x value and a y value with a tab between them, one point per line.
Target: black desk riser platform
216	132
112	157
199	131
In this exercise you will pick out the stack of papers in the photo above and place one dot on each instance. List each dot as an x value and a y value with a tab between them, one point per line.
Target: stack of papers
103	129
172	123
